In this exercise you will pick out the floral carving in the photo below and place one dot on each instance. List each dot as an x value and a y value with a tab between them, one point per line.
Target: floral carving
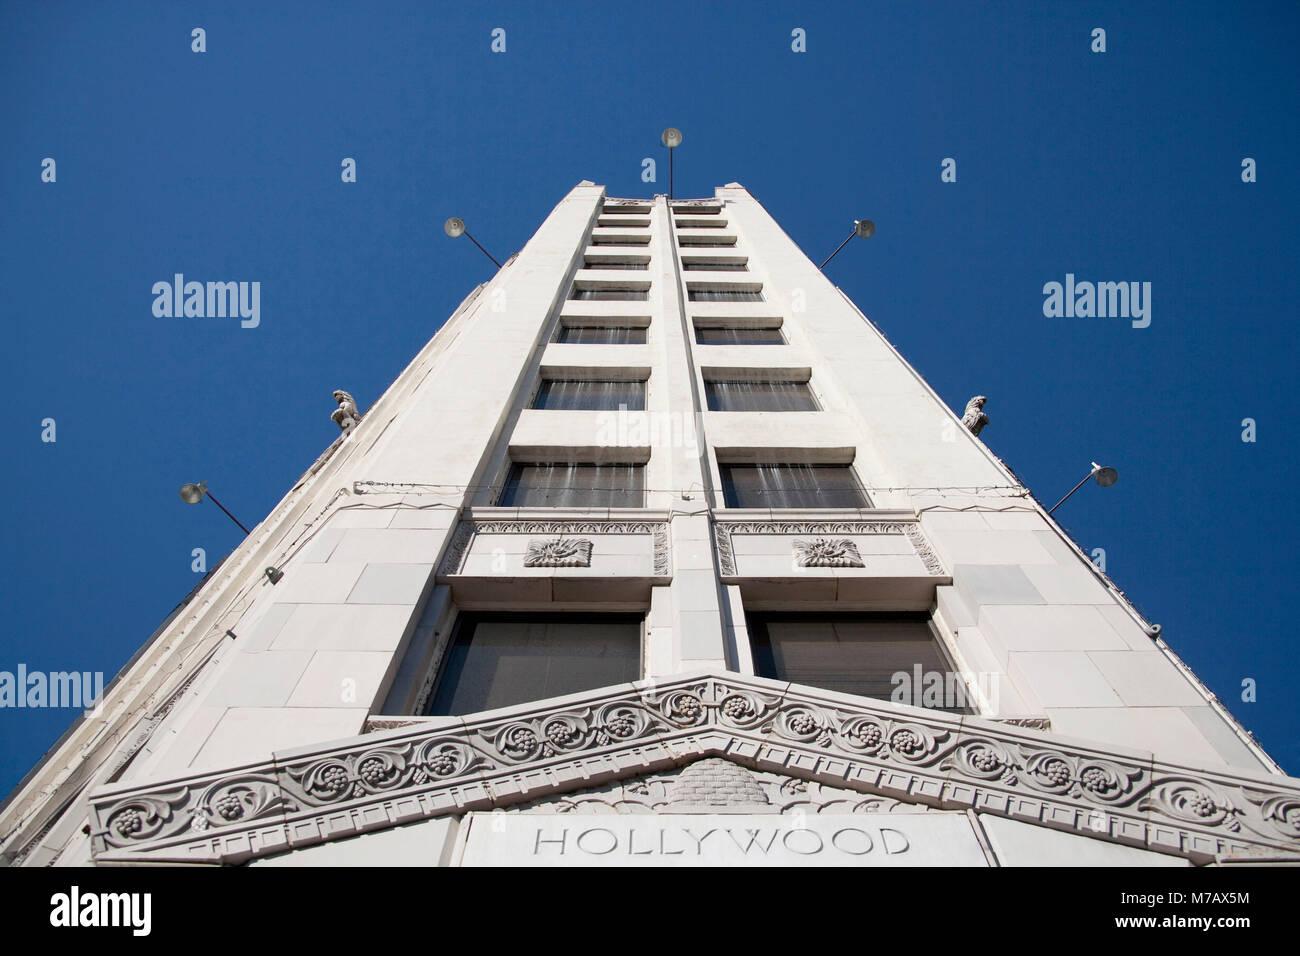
685	708
558	553
827	553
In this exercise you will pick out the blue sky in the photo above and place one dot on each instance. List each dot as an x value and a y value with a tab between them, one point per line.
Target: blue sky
1124	165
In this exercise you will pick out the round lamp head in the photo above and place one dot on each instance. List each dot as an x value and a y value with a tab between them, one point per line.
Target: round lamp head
193	494
671	137
1105	476
454	227
865	228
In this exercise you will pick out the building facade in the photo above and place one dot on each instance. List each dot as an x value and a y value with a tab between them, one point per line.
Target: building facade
658	553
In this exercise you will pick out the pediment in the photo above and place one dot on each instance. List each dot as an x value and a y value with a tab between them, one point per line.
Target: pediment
716	785
604	745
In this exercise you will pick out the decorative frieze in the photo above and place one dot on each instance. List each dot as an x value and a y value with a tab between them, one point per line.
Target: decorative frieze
869	747
549	552
723	532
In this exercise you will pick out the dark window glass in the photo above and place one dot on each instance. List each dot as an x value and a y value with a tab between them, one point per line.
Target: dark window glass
759	397
738	336
566	485
611	295
862	654
791	486
620	240
703	242
602	334
499	660
634	266
715	267
723	295
703	224
576	395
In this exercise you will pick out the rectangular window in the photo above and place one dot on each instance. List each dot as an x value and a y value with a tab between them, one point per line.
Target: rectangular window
691	265
573	485
611	295
870	655
723	295
590	396
706	241
759	397
791	486
623	224
500	660
620	240
613	264
602	334
701	224
737	336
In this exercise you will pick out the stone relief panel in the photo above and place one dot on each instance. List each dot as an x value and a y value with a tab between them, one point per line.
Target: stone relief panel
827	553
838	551
558	553
716	785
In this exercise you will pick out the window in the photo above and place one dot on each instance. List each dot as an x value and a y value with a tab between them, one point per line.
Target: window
611	295
620	240
695	265
870	655
737	335
499	660
592	396
621	223
706	241
759	397
591	263
723	295
602	334
791	486
701	224
573	485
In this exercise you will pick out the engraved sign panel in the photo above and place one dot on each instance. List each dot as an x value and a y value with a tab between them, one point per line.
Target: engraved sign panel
690	839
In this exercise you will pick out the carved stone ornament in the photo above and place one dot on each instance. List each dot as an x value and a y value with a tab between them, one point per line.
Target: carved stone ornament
558	553
468	528
881	751
723	530
827	553
346	416
974	418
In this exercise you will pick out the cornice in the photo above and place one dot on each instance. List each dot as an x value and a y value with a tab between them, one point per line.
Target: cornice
507	757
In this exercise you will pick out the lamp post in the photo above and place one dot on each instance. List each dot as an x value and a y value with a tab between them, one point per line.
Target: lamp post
863	228
672	138
1104	476
456	227
192	494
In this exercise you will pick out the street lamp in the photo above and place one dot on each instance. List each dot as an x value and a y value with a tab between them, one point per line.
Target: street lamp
672	138
456	227
862	228
192	494
1104	476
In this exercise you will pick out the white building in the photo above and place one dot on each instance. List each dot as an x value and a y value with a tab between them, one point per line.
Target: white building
633	564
